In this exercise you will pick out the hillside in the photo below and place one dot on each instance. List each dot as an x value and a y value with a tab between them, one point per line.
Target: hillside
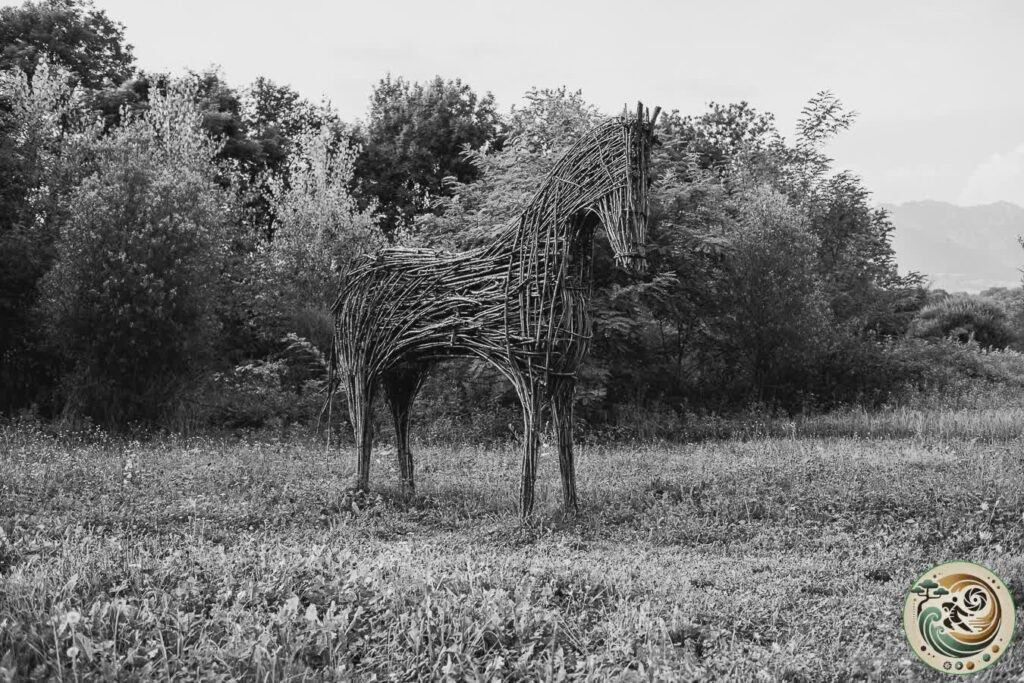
960	248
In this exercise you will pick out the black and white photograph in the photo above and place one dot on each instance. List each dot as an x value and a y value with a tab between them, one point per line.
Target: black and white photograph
524	341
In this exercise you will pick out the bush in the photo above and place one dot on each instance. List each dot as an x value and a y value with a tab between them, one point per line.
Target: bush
965	318
130	301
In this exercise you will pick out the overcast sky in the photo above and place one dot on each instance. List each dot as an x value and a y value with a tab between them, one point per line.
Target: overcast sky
937	82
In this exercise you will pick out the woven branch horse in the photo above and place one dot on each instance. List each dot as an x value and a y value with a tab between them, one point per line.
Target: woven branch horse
520	303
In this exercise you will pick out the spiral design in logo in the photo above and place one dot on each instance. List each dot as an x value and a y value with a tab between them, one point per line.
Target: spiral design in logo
959	617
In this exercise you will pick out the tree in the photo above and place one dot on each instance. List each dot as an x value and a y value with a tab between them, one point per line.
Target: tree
925	588
220	105
256	127
856	262
414	139
274	117
724	133
707	165
130	303
321	231
734	212
74	33
856	259
37	114
691	227
775	318
129	96
38	109
271	108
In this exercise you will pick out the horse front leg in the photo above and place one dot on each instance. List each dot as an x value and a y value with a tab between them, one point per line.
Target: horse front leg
562	397
531	398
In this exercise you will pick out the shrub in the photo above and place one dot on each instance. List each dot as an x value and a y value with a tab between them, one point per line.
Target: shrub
321	232
965	318
129	303
288	387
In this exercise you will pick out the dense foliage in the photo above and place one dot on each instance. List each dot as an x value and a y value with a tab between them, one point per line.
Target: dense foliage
414	138
130	302
170	241
964	319
79	36
320	232
35	114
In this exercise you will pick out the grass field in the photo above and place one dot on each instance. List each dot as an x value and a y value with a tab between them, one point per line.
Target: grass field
766	558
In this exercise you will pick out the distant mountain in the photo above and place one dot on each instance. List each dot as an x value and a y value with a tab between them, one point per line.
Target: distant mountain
960	248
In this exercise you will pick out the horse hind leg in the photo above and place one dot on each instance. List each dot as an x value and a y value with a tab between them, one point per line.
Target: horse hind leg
531	398
561	415
401	385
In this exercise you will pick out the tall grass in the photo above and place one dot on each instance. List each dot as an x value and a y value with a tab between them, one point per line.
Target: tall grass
769	557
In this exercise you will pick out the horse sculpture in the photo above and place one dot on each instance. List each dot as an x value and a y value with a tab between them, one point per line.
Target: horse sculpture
519	303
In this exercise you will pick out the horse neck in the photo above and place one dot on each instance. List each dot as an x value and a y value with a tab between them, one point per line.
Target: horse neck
561	214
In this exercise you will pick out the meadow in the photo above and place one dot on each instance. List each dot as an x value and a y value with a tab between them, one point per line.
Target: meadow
783	552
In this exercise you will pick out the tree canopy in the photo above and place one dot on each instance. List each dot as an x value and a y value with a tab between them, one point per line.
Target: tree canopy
74	33
414	139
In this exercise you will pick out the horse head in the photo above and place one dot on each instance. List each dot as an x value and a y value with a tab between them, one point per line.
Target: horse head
624	210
